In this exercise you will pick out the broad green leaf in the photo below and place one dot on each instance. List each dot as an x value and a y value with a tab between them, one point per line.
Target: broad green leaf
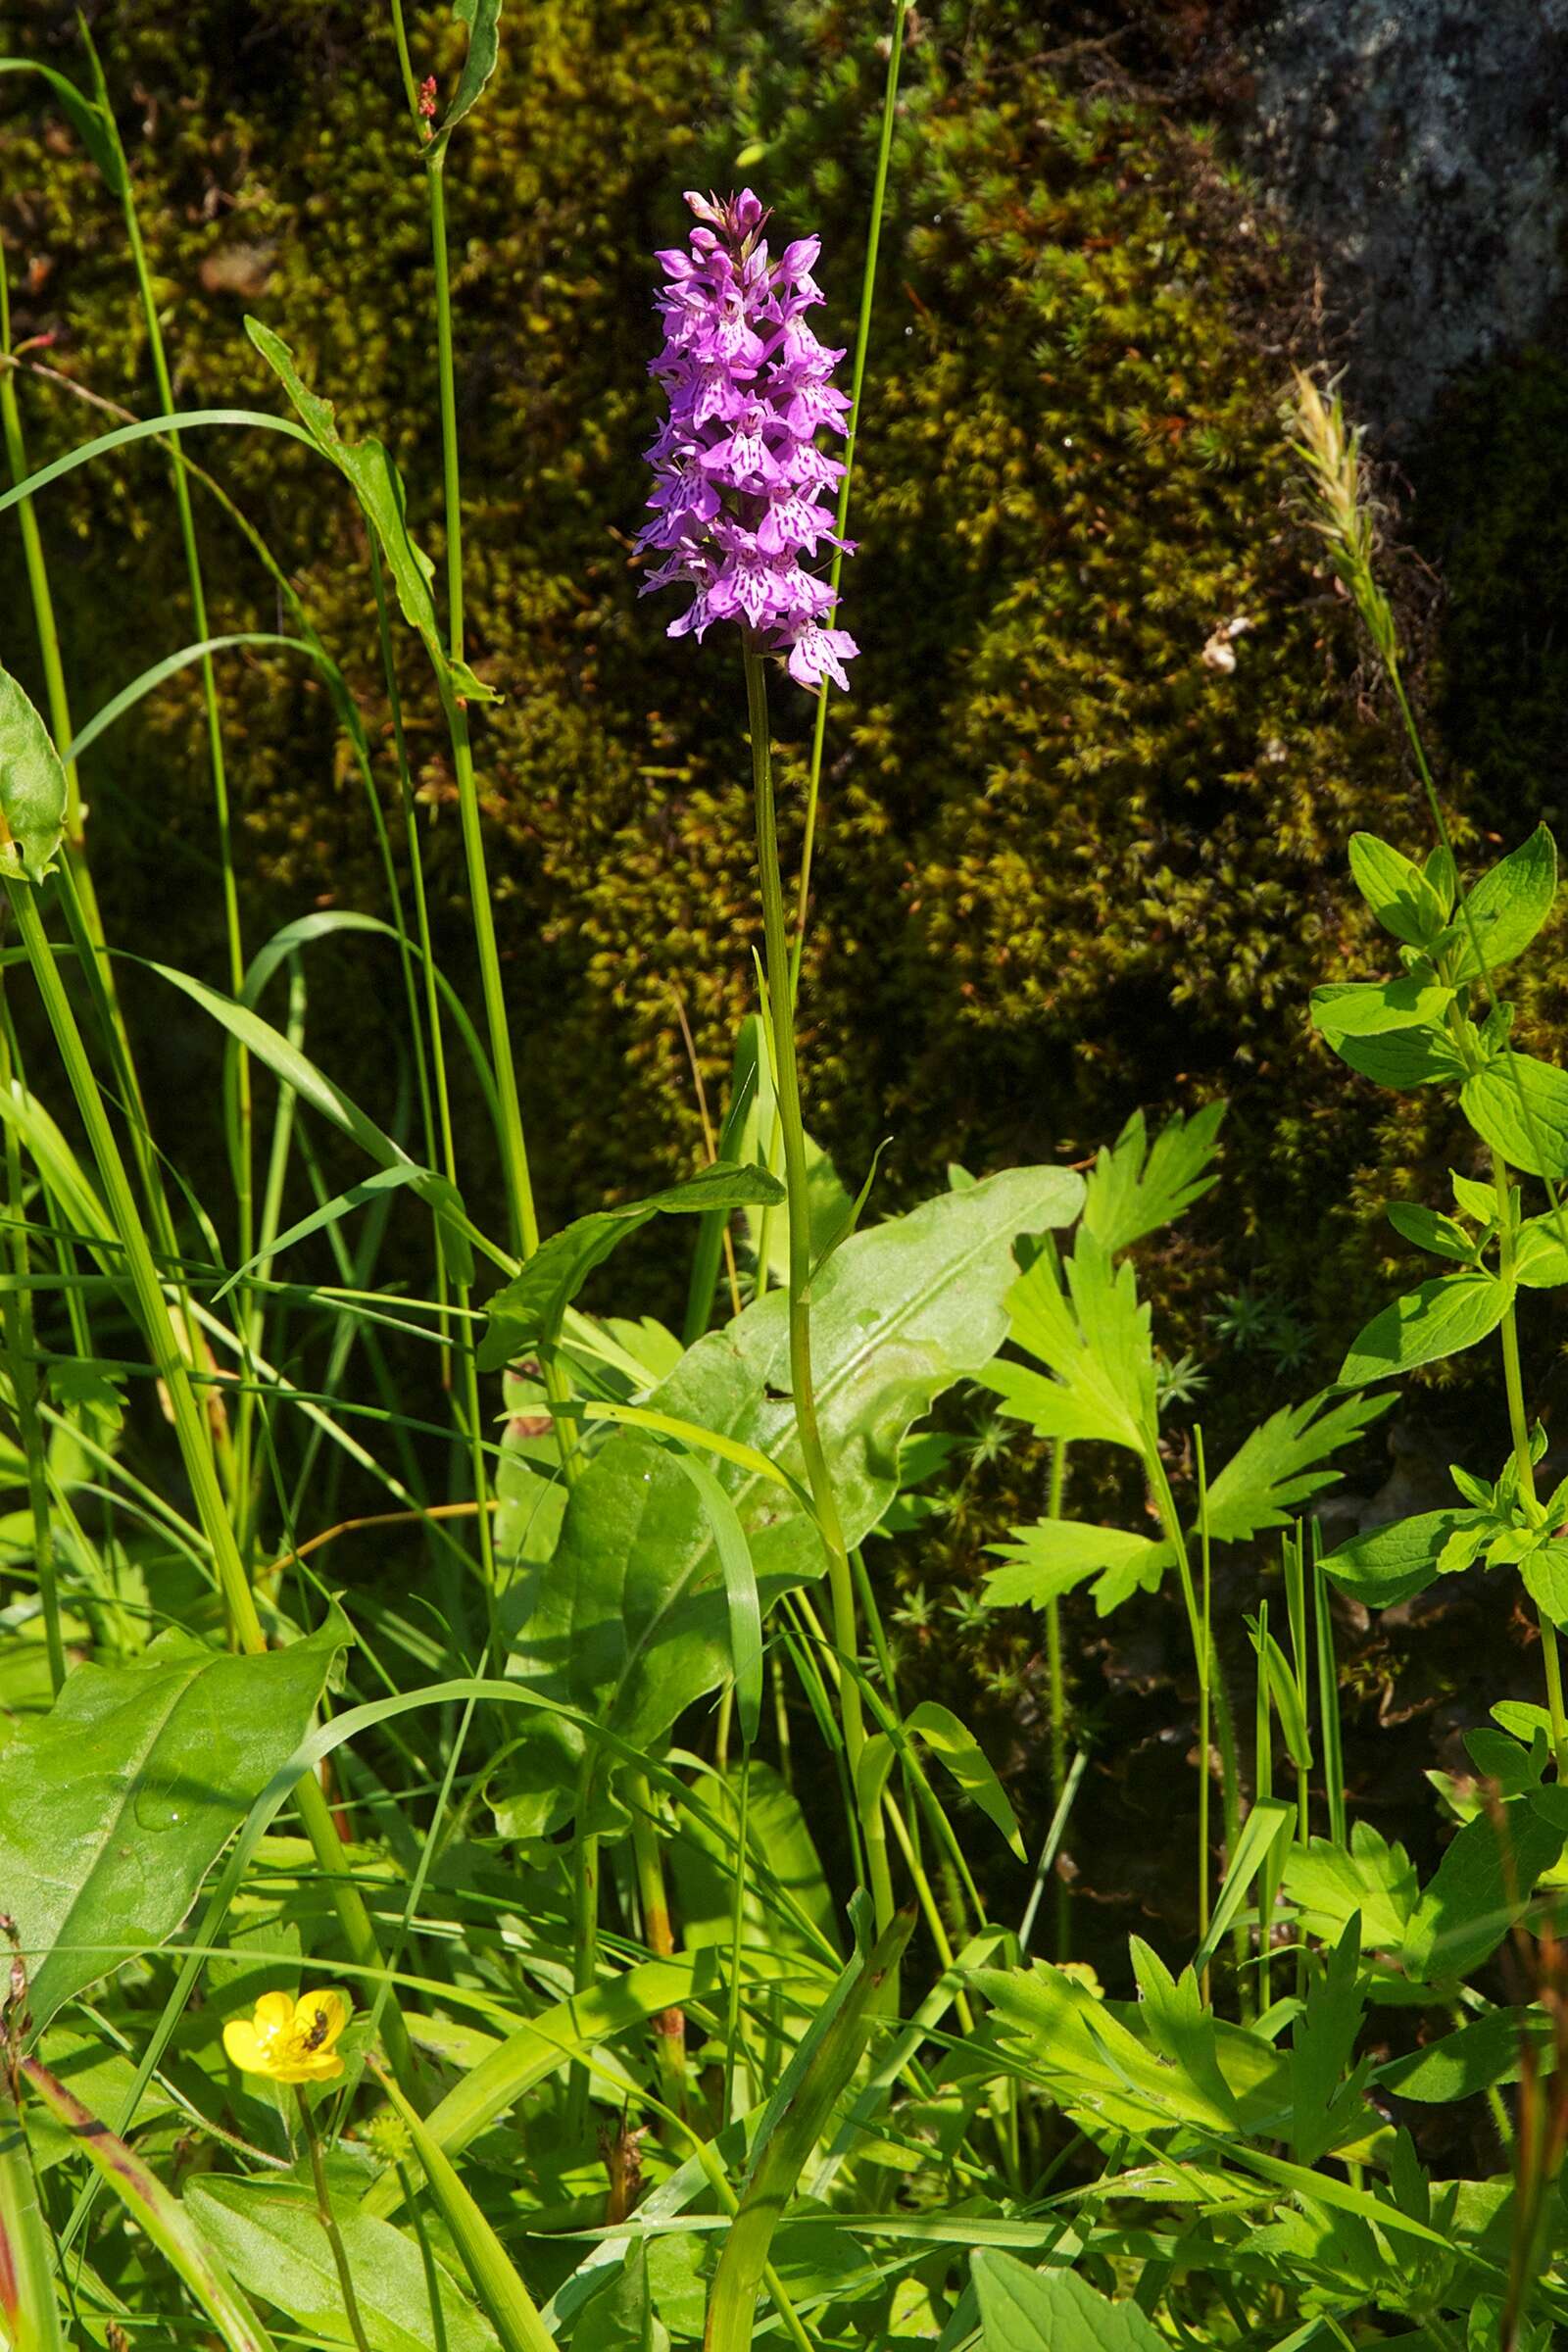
496	2283
1373	1880
794	2118
1374	1008
1402	1058
1483	2051
547	2045
1519	1106
29	2313
1053	1556
1136	1187
1441	1318
270	2235
1398	892
1389	1564
115	1805
378	485
1545	1573
1541	1256
628	1621
527	1313
1506	907
1323	2104
1483	1885
1277	1466
158	2214
1052	2311
703	1863
1430	1231
32	788
483	19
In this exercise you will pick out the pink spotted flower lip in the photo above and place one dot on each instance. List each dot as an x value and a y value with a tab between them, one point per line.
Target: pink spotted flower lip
739	475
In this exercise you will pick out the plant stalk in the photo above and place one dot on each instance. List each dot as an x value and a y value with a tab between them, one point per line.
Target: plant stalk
787	1082
328	2220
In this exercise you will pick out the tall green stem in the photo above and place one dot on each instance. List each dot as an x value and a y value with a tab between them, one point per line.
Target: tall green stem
1519	1427
157	1321
862	344
786	1079
327	2218
1057	1687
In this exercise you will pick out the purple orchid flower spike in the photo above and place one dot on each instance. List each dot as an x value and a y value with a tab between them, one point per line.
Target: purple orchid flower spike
739	478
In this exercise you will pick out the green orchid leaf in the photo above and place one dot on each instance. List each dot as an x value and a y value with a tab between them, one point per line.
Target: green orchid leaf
1519	1106
792	2121
29	2307
627	1619
116	1805
1441	1318
1507	908
527	1313
1398	893
32	788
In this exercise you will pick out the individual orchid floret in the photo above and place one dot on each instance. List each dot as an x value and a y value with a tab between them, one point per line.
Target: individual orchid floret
738	476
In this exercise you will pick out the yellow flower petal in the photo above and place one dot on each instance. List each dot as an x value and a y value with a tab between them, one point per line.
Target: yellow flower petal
275	2013
245	2047
319	2019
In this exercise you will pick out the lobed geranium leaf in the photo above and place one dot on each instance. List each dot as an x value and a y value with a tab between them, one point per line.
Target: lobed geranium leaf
1137	1186
1280	1464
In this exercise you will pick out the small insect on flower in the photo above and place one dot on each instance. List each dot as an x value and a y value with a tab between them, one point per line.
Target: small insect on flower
293	2041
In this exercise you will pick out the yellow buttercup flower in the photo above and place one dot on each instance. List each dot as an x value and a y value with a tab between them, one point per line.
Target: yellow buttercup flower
293	2041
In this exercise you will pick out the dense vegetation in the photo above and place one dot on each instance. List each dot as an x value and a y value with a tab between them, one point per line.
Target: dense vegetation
524	1714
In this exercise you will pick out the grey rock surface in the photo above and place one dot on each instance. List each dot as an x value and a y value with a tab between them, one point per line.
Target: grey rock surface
1422	145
